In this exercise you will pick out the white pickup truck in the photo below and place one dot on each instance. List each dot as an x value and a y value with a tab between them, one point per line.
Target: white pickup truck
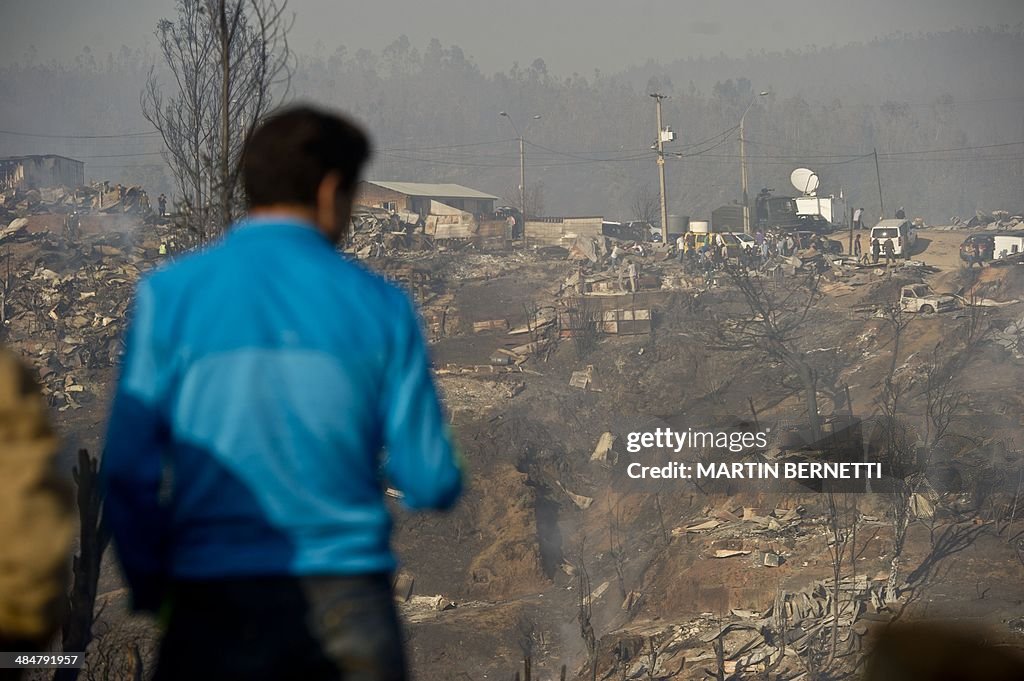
921	298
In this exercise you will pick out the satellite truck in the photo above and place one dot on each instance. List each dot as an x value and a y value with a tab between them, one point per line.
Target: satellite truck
832	208
807	212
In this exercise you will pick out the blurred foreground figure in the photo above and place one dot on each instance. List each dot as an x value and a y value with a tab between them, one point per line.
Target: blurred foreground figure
930	652
262	377
35	517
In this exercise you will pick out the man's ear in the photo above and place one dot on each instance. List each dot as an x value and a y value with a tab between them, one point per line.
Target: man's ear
326	200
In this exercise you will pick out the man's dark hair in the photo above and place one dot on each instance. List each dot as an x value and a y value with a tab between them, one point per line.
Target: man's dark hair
287	157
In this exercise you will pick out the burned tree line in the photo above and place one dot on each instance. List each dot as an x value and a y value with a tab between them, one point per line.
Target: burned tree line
433	95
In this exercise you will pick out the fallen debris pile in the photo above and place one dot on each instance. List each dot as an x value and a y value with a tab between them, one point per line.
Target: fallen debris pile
794	632
1011	338
997	219
97	197
377	232
64	303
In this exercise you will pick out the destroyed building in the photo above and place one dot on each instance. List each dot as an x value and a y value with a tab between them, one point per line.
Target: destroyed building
37	172
418	215
420	198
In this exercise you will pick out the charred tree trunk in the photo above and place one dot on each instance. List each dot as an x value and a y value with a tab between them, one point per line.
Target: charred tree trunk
77	630
810	383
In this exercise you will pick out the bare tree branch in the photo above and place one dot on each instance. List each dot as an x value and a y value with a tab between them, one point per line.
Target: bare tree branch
229	64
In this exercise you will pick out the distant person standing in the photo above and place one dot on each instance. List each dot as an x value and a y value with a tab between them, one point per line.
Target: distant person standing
858	219
681	247
244	468
633	275
977	258
876	250
615	255
161	203
901	214
890	252
856	246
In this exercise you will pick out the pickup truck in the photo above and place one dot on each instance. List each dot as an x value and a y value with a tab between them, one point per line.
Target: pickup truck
921	298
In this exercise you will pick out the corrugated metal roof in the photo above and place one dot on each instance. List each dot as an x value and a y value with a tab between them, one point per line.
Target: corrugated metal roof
24	158
447	191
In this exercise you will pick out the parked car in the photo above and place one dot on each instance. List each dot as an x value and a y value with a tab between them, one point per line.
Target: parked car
921	298
902	233
832	246
745	240
987	242
701	238
816	224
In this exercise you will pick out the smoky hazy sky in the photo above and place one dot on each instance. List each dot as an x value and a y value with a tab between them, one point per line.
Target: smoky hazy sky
570	35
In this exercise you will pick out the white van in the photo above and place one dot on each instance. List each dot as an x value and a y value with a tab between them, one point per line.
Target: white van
1008	244
902	233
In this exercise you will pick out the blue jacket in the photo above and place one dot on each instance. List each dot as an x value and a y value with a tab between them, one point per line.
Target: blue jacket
261	380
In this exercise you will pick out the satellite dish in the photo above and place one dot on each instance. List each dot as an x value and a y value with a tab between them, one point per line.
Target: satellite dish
805	180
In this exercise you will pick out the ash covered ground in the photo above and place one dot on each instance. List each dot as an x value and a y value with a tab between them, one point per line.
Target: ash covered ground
555	555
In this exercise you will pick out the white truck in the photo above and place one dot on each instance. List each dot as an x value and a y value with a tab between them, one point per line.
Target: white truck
1008	244
921	298
832	208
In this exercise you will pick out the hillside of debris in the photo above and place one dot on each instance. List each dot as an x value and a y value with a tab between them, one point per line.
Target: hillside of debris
546	365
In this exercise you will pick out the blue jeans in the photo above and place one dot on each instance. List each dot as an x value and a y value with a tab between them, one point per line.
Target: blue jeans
310	628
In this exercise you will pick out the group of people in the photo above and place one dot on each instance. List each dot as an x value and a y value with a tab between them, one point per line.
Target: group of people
712	252
879	248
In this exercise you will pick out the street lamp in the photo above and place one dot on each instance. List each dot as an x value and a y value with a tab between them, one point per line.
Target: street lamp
743	165
522	163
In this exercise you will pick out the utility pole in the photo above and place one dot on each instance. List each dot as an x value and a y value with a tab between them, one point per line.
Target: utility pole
849	248
522	177
743	165
743	178
878	175
661	169
522	163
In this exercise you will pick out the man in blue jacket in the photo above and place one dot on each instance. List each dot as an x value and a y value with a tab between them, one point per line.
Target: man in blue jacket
262	379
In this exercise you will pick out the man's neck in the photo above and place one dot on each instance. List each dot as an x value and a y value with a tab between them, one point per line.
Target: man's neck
290	211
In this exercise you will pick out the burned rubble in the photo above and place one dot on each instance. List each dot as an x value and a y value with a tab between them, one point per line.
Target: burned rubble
547	358
65	301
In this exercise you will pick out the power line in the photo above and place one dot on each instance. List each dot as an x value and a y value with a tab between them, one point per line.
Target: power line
936	151
821	154
144	153
93	166
784	146
17	133
722	137
445	162
450	146
962	159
